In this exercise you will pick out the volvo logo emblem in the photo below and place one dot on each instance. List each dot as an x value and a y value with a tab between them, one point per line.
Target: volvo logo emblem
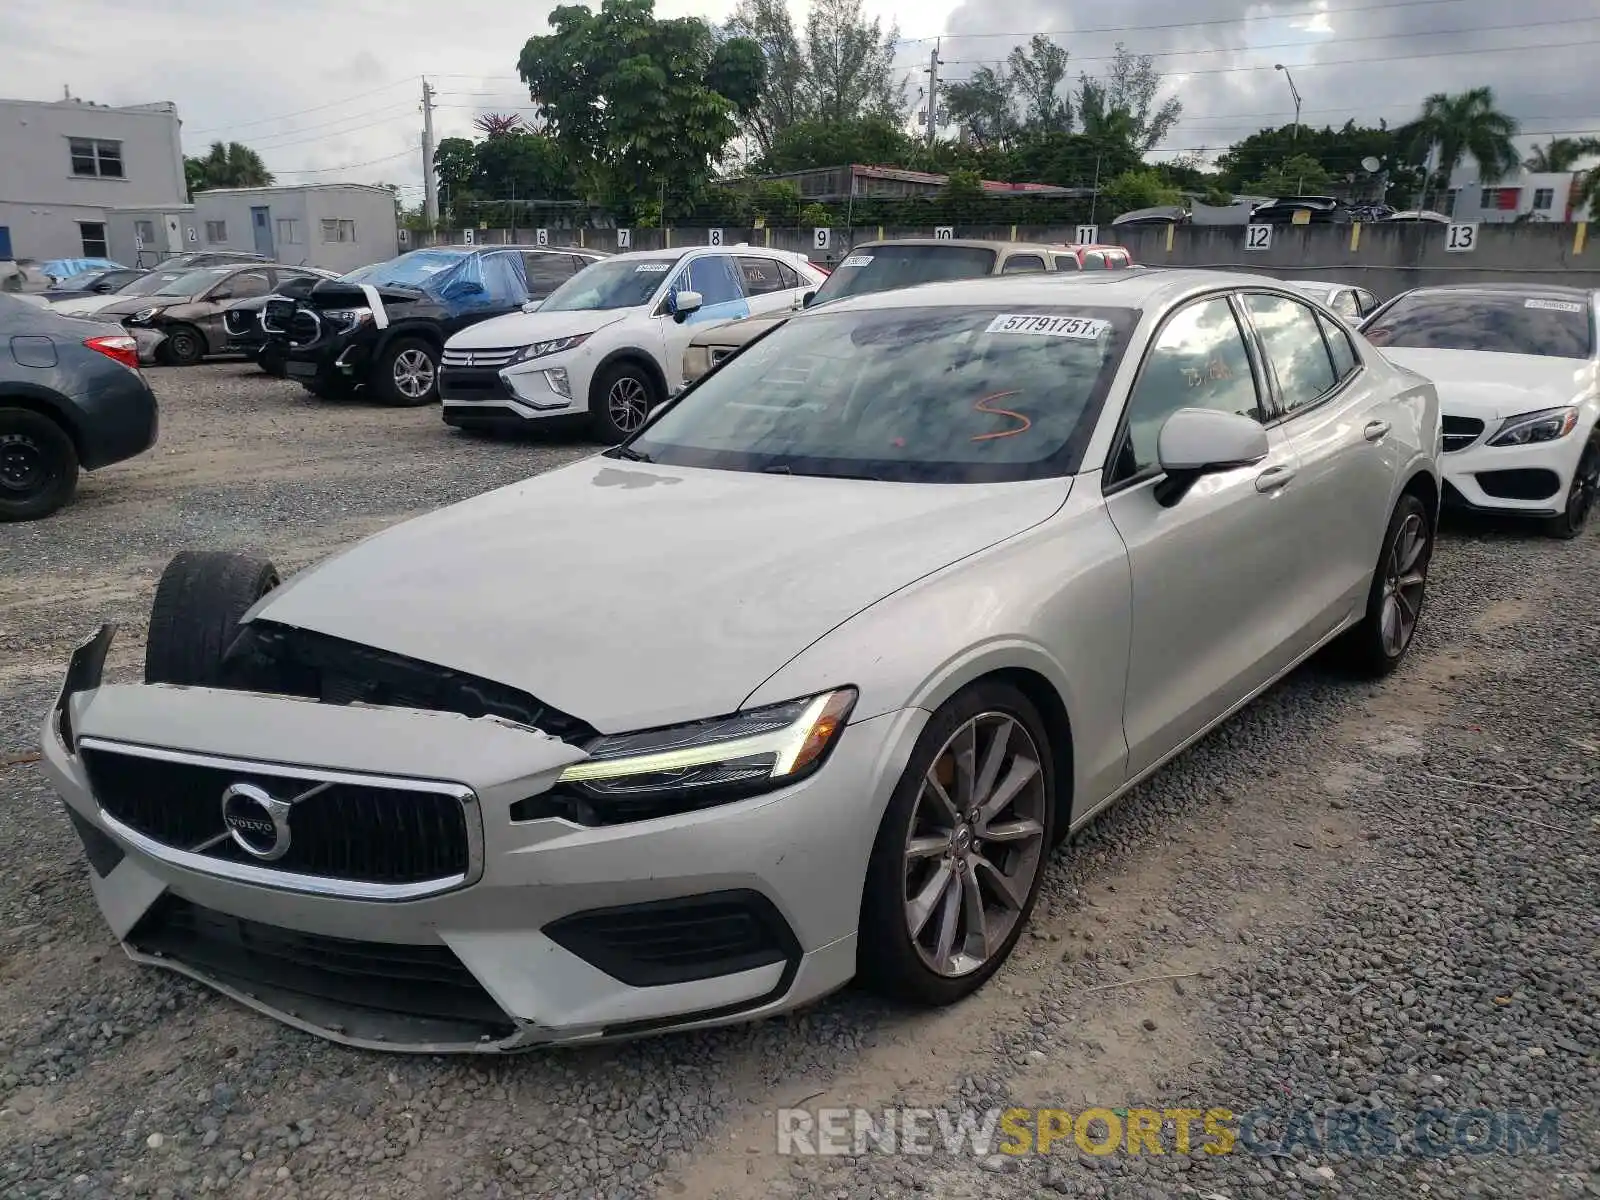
257	821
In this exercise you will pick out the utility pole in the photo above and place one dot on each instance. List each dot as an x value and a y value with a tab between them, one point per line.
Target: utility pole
430	184
934	63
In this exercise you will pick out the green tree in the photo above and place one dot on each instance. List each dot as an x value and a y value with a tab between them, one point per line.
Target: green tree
497	124
1122	103
850	63
521	166
1298	175
1560	154
984	105
455	162
628	97
784	100
1036	78
1136	189
1454	128
1342	153
226	165
873	140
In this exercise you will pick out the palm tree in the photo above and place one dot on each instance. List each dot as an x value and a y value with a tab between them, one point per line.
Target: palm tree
1562	154
498	124
1455	127
234	165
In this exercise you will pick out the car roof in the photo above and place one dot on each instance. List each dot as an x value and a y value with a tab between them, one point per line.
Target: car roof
970	243
1112	289
1058	246
1552	290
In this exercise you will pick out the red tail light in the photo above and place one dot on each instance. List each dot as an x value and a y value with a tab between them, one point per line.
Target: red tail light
118	346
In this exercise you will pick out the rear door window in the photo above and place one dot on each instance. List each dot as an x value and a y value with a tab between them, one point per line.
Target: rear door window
1292	338
1340	347
547	272
1067	262
763	276
1022	264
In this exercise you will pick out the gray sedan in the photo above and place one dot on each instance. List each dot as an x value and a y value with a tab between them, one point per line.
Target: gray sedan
800	683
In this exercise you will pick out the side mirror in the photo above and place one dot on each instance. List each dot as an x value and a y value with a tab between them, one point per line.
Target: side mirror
1202	441
532	306
808	300
103	288
683	304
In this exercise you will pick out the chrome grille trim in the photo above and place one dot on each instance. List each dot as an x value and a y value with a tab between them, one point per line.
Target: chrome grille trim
490	358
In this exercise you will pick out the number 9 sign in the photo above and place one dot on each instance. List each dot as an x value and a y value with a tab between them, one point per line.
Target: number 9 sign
821	239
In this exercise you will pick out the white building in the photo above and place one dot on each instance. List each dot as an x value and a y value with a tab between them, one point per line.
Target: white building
337	226
1537	197
65	164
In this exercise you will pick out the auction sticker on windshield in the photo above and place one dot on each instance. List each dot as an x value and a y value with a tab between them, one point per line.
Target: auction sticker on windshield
1554	305
1086	328
857	260
650	268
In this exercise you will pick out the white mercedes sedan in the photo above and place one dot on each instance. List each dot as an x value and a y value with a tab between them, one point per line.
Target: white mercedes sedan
1518	374
801	683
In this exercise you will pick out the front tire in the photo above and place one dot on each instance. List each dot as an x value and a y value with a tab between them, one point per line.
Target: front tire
185	346
195	616
1394	600
1581	495
38	465
960	854
406	374
620	401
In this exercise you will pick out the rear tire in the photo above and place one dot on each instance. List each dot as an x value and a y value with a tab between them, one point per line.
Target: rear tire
406	374
620	401
271	360
1581	495
195	616
926	836
185	346
38	465
1377	645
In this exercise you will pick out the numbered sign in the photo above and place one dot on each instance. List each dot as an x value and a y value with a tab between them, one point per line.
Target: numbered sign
405	236
624	239
192	235
468	237
1461	238
821	239
713	237
944	231
1086	235
1258	237
541	237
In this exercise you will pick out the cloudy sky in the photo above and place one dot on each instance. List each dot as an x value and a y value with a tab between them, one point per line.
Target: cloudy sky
329	91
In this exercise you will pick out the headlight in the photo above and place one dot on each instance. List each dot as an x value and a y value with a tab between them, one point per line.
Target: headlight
144	314
633	776
553	346
696	362
347	318
1547	425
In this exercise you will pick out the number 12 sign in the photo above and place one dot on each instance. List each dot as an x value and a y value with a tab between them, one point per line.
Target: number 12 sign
1258	237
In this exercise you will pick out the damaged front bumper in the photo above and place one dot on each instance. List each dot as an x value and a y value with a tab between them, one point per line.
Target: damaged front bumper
355	870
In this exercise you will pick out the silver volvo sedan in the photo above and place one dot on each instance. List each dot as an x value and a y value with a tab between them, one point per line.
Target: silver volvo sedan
801	683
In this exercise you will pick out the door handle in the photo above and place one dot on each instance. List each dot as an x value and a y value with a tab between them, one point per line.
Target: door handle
1375	430
1274	479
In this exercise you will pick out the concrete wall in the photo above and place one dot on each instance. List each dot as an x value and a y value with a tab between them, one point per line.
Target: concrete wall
1386	259
42	201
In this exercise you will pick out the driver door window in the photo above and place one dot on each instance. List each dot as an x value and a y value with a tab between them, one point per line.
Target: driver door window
1198	360
245	286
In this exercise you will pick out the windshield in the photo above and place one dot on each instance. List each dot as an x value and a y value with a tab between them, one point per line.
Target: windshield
192	283
939	395
419	269
614	283
881	268
146	284
1508	324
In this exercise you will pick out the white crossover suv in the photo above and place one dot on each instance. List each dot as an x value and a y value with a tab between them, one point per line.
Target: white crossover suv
609	342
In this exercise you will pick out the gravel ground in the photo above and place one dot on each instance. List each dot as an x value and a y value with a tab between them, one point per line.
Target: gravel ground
1351	895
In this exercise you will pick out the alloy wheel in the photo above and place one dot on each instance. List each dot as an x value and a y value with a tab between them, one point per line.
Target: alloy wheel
1405	574
975	844
628	403
413	374
22	463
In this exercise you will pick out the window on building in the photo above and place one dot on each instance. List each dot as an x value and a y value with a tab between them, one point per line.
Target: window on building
1499	199
216	231
145	233
334	230
94	239
95	158
1544	199
288	231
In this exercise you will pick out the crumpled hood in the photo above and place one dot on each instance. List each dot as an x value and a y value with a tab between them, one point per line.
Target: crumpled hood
523	329
632	595
1490	386
126	306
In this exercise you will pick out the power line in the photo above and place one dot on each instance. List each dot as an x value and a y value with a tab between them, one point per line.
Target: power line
350	166
301	112
392	113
